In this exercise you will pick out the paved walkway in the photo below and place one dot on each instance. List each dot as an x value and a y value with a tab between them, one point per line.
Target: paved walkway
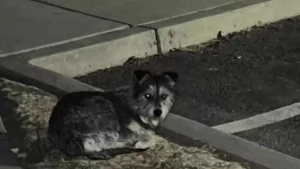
29	24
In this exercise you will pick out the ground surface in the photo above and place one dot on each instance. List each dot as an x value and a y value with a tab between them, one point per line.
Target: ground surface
26	113
281	136
238	76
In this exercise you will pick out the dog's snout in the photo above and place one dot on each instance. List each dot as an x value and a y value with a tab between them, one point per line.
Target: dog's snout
157	112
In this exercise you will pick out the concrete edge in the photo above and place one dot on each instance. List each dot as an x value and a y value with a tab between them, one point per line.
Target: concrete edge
42	78
205	25
100	53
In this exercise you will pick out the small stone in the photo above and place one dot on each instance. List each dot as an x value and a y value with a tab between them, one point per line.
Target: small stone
212	69
15	150
140	158
260	23
22	155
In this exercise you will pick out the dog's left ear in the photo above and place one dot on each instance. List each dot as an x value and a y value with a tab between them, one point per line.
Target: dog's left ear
172	75
140	75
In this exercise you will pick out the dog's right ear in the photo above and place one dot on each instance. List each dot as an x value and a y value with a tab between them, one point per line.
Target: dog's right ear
140	75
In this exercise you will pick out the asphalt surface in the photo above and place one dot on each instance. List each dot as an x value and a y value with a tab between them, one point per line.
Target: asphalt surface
281	136
240	75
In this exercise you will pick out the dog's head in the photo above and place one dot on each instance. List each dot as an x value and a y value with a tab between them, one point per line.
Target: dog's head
154	95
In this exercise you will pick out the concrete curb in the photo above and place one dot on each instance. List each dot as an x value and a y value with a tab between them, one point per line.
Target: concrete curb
205	25
179	128
100	53
41	78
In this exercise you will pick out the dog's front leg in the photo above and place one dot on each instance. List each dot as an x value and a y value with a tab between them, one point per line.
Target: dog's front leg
145	141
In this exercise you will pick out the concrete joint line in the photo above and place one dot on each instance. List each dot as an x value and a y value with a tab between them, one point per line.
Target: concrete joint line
158	43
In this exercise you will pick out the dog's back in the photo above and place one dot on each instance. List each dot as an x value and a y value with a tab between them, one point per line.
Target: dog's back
78	116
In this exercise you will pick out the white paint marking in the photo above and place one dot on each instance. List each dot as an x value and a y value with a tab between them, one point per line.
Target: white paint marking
260	120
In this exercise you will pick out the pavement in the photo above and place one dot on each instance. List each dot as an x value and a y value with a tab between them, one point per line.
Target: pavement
55	45
27	24
281	136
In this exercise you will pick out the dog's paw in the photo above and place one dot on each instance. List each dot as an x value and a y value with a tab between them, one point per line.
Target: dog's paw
145	144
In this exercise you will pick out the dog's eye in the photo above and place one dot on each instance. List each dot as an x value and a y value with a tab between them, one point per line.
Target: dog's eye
164	96
147	96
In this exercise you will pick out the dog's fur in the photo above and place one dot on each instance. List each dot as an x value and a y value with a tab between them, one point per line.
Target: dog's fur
101	125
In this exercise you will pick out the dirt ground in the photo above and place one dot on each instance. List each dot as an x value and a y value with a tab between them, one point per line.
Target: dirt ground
231	78
26	113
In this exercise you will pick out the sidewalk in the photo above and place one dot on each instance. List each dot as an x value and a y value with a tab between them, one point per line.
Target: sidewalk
29	24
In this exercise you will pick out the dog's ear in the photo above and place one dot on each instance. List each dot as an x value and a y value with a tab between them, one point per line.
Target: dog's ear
172	75
140	75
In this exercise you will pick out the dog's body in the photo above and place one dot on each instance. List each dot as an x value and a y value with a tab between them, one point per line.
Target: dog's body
104	124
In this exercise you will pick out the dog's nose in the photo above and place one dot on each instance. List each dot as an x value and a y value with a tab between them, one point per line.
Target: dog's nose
157	112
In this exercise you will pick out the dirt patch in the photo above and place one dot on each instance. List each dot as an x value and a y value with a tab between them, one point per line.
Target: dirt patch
31	111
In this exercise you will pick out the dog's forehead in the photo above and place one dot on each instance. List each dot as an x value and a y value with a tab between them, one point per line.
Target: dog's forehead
161	80
147	85
155	82
164	90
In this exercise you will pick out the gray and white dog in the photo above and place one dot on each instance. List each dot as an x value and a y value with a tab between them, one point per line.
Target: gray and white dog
101	125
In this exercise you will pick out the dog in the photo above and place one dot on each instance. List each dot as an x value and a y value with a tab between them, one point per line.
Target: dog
102	125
